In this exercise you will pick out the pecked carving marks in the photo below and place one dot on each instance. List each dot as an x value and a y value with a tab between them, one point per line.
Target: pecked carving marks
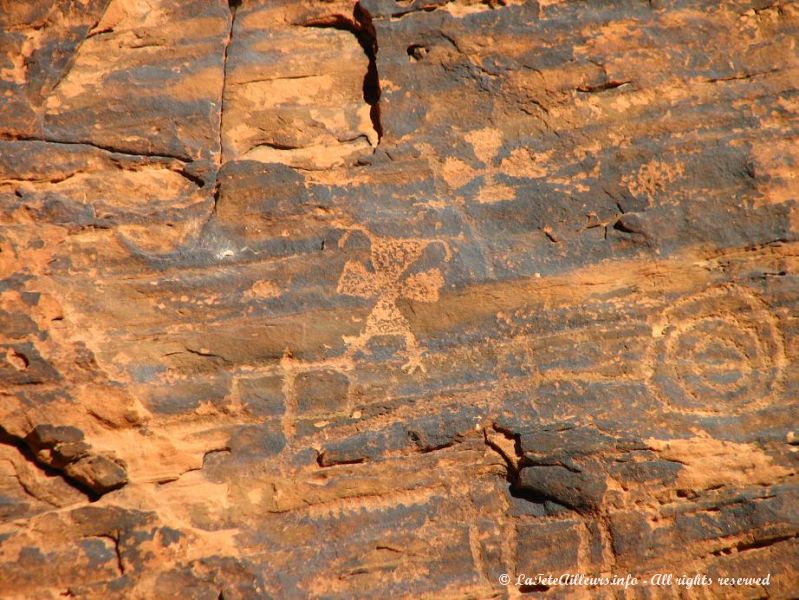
717	351
388	281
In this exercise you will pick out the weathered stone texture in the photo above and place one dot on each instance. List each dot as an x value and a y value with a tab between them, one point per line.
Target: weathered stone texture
310	298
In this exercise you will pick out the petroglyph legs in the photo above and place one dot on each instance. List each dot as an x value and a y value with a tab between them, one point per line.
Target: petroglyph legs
388	281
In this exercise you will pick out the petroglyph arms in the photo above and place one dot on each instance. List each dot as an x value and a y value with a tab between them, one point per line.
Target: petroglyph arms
388	280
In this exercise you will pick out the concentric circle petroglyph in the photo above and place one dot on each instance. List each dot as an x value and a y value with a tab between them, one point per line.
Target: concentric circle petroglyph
719	351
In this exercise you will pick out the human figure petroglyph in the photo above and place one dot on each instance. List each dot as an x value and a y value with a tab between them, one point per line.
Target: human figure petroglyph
389	281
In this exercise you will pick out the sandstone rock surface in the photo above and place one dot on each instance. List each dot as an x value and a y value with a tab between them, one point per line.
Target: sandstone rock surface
323	299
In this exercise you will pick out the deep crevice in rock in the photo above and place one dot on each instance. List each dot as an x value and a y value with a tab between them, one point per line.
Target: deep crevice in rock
533	589
361	26
63	450
755	544
233	6
117	551
7	439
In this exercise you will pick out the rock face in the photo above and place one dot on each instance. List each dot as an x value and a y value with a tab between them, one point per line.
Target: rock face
321	299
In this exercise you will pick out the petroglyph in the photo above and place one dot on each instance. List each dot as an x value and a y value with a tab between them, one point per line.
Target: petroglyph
388	281
717	351
653	177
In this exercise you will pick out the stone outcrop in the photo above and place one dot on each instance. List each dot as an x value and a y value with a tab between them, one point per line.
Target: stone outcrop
393	298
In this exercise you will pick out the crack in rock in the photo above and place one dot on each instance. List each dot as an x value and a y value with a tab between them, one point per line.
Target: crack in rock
63	449
361	26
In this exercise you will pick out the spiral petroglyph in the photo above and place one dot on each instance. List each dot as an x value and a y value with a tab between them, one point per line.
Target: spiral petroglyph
719	352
